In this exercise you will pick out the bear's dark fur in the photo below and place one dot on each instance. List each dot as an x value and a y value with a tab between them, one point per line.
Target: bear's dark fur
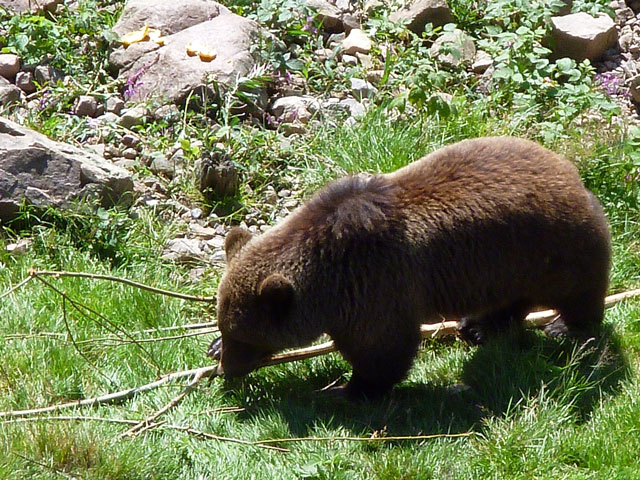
483	230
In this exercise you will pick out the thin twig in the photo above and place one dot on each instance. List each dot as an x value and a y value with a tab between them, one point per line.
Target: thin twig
211	436
96	276
366	439
116	396
186	429
17	286
48	467
149	359
121	341
133	431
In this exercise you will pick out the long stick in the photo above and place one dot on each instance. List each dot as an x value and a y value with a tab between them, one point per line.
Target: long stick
96	276
445	328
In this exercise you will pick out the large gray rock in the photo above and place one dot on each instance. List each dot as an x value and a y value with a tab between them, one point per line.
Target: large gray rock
167	16
581	36
420	12
167	72
48	173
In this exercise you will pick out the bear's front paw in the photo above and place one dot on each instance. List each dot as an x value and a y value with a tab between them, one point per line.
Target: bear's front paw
215	349
471	331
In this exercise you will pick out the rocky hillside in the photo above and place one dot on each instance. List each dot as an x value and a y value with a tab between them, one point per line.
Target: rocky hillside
172	100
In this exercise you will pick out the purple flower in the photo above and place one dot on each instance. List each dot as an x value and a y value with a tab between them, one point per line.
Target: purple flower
611	83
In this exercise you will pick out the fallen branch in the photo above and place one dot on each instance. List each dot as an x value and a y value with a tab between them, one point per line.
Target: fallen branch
144	424
180	428
366	439
113	397
96	276
445	328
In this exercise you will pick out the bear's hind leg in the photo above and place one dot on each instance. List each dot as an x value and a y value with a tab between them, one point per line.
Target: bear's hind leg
477	329
580	315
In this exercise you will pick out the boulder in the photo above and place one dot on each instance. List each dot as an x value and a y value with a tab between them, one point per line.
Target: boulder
48	173
170	73
581	36
168	17
418	13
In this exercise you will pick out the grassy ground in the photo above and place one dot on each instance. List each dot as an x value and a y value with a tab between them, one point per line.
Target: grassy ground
527	406
524	406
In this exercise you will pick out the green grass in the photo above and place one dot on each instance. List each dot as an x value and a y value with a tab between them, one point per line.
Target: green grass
533	407
526	406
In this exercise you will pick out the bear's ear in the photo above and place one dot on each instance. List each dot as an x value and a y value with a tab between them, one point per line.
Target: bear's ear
276	294
235	240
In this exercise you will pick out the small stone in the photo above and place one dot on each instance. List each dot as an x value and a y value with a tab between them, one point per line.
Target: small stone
482	62
161	165
24	81
130	140
327	14
168	113
580	36
108	117
130	153
9	93
20	247
350	22
356	42
362	89
354	107
183	250
290	203
125	163
290	109
196	213
9	65
219	256
323	54
284	193
418	13
374	76
131	117
85	106
349	60
45	74
206	233
115	105
365	60
634	88
270	196
216	242
111	151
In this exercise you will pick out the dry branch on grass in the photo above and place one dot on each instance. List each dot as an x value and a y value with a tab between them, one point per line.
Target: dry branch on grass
443	329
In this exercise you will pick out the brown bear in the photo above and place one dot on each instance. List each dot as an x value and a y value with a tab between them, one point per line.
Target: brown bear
484	230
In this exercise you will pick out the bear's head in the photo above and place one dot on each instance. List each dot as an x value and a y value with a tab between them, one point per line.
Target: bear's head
253	308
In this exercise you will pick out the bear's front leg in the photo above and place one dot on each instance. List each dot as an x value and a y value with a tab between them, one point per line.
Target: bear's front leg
378	363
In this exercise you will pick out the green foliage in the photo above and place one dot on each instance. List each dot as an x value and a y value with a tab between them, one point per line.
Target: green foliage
72	39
